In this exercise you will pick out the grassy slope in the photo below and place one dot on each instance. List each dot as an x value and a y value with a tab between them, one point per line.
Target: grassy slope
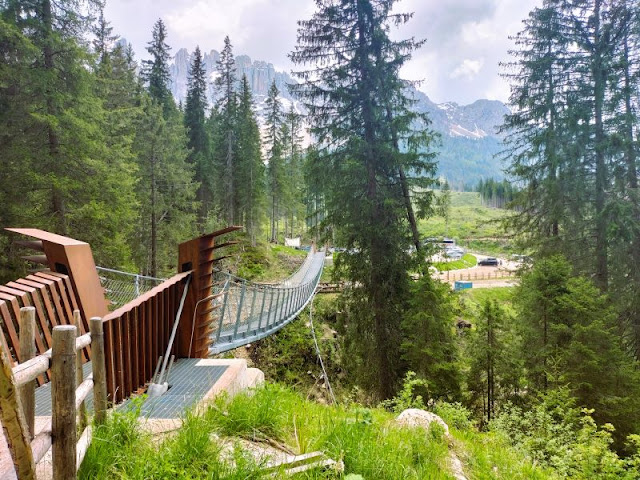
265	262
366	440
471	224
467	261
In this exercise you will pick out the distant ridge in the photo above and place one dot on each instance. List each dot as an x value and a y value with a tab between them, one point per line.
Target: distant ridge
469	133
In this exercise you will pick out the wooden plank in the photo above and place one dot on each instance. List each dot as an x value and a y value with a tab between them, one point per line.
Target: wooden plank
169	317
160	324
138	372
109	360
142	335
119	374
53	294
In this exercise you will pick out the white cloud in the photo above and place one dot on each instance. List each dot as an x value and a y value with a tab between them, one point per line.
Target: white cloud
467	69
480	32
206	19
465	38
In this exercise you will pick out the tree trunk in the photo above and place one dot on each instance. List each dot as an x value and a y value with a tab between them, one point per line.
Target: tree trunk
154	225
599	79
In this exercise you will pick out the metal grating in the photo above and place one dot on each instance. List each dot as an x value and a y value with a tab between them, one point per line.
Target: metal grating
189	382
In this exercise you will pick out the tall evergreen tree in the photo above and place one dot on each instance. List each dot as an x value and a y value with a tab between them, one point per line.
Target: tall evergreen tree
251	171
198	135
166	189
354	62
292	146
56	127
226	148
156	71
275	156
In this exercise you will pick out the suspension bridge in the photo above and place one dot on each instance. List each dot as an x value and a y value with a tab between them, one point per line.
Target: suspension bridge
246	311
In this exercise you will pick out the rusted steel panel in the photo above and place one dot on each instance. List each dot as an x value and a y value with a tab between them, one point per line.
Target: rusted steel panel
198	255
73	258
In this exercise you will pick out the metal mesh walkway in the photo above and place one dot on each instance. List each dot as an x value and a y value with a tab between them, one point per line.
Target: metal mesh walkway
251	311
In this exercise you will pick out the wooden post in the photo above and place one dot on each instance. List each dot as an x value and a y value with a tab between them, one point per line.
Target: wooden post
82	411
27	352
99	369
63	402
13	423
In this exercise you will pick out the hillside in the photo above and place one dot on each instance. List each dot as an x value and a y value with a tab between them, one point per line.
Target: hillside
471	224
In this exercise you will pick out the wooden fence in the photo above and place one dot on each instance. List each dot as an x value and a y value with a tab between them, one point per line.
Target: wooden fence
137	335
68	392
452	275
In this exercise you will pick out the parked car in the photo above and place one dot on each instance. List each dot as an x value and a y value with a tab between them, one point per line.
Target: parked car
489	261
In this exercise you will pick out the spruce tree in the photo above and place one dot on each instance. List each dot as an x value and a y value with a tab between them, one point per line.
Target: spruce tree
198	135
227	136
156	71
56	130
251	171
353	64
275	157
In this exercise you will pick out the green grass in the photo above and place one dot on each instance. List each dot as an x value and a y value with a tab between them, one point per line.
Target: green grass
266	262
474	298
366	440
467	261
472	224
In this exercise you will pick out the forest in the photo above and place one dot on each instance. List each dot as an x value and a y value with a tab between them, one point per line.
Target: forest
93	146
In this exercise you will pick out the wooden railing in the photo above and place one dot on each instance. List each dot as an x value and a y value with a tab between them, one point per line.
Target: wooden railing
68	392
137	335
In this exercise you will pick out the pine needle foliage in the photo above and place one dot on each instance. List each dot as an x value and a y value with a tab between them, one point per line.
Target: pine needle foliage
366	134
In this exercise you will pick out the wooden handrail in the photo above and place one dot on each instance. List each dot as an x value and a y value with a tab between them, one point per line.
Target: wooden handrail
69	391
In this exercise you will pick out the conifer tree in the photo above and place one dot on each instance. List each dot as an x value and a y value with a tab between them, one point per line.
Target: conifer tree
275	156
251	171
198	135
352	63
292	146
166	189
56	130
156	71
226	145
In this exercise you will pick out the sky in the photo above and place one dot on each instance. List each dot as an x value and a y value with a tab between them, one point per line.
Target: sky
465	39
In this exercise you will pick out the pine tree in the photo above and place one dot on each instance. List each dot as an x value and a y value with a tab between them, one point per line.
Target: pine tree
226	148
156	71
292	138
358	108
56	130
275	154
198	135
251	171
166	190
